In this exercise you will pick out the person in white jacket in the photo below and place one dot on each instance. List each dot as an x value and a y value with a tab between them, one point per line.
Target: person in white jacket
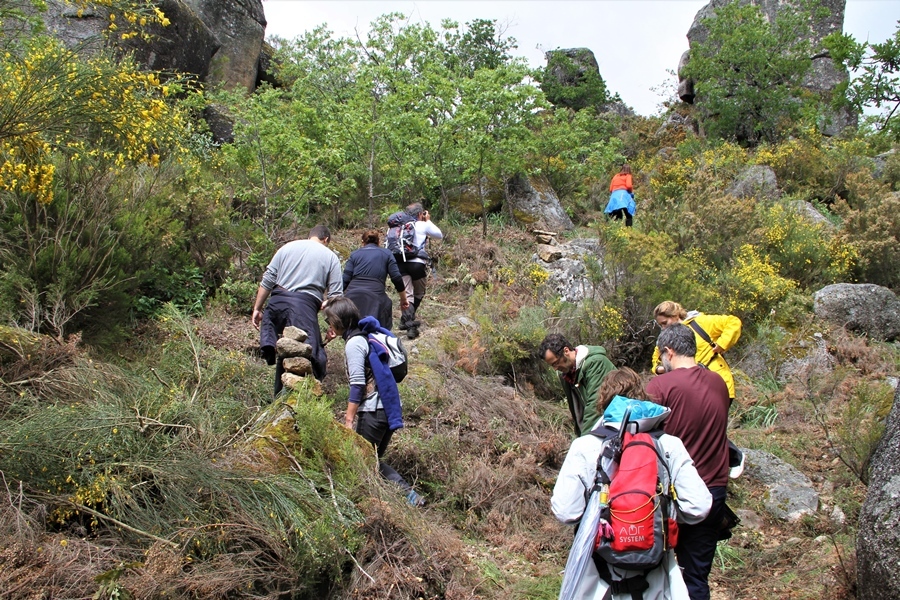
576	479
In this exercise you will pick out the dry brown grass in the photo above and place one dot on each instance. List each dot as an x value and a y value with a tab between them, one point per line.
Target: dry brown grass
410	555
36	563
496	457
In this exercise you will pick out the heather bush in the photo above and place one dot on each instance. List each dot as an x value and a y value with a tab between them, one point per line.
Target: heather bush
174	453
851	412
508	331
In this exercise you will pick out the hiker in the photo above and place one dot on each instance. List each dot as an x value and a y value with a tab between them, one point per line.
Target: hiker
415	270
295	284
374	402
364	279
581	370
595	577
715	334
621	382
699	402
621	198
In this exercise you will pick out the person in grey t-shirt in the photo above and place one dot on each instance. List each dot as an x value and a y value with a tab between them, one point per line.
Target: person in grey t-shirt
299	277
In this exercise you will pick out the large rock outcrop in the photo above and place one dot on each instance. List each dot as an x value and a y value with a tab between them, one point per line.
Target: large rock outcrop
565	264
864	308
755	181
220	42
240	28
572	79
878	541
789	493
823	76
535	203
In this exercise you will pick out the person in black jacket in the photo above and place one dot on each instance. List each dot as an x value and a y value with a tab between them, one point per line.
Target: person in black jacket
364	280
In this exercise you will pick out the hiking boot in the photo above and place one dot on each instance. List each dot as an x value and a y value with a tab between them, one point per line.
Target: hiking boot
408	321
405	325
407	318
413	331
415	499
736	464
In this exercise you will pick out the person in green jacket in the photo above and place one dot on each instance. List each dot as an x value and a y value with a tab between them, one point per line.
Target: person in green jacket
581	370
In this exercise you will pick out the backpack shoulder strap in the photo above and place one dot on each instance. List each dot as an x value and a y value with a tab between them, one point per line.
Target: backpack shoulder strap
701	332
705	337
606	434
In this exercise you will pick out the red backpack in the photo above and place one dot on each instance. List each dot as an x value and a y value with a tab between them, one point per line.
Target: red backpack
637	519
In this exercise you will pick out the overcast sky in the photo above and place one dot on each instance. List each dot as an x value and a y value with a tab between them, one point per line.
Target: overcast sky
635	41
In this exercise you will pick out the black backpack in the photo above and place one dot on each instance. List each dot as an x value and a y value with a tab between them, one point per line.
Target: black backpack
401	236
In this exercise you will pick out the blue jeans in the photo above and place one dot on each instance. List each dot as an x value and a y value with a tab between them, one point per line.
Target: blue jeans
696	547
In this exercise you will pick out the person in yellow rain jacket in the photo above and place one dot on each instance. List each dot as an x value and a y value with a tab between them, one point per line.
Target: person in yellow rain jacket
715	335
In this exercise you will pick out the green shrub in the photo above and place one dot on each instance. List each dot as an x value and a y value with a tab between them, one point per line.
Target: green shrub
509	334
861	426
808	253
164	448
871	216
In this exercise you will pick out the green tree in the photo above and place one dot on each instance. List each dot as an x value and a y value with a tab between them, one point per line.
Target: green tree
495	117
482	45
748	72
281	165
877	77
577	151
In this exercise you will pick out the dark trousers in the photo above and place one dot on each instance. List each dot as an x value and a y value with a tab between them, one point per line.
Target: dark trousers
300	310
696	547
373	427
619	214
369	297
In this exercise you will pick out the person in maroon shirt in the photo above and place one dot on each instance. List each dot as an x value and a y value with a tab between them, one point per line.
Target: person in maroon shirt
699	401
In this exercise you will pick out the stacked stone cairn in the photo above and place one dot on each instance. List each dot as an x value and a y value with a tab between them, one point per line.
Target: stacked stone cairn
295	354
547	246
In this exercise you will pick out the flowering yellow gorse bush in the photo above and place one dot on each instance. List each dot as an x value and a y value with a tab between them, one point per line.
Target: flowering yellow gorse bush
54	101
127	18
754	283
807	252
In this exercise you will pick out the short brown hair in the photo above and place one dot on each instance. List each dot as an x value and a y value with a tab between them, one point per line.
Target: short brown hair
621	382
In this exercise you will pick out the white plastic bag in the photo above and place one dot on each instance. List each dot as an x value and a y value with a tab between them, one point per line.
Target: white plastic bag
582	549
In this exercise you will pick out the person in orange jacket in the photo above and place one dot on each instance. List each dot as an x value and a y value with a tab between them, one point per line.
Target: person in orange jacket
621	199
